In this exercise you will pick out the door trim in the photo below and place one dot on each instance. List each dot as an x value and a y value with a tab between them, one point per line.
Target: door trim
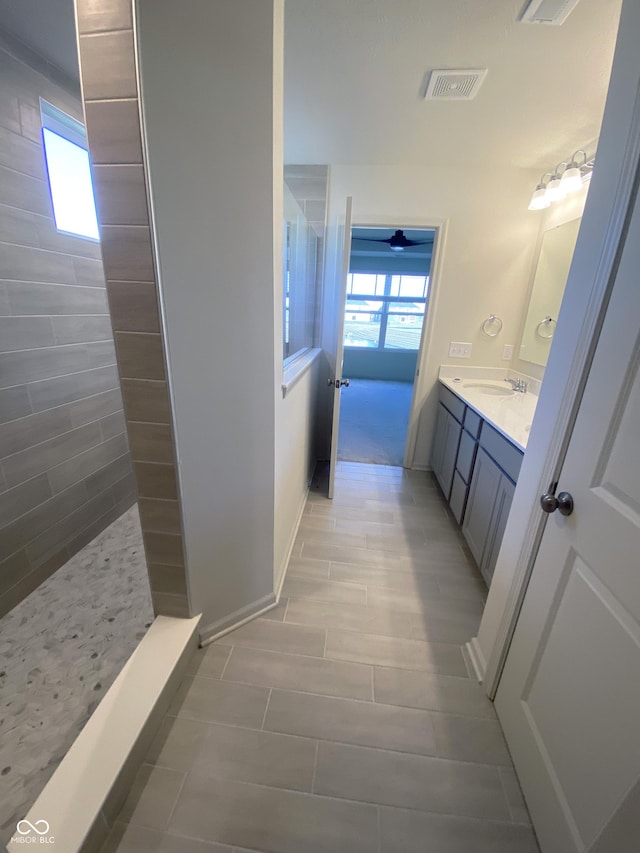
559	407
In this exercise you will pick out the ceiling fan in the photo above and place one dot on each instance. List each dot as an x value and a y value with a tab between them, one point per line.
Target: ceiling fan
397	242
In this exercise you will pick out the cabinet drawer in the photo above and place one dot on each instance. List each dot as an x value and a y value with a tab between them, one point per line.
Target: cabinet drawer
508	457
466	454
472	422
458	497
452	403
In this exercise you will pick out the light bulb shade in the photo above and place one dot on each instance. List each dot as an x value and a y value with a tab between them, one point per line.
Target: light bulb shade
539	198
555	192
571	180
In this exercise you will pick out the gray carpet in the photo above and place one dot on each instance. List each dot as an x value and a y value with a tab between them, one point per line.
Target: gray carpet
374	416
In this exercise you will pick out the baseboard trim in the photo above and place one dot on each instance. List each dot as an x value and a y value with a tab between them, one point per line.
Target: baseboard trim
84	796
245	614
474	659
292	541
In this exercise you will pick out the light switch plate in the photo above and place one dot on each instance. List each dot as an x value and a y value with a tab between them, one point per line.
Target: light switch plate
507	352
459	349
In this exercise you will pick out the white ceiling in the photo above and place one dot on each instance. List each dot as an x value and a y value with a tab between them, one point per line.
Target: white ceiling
356	71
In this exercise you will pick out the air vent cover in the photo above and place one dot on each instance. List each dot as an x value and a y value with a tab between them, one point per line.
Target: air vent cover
459	84
554	12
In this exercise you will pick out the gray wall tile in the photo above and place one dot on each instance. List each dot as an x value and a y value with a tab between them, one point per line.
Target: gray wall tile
169	580
16	501
97	16
156	481
121	196
151	442
126	253
113	128
24	192
40	458
146	400
107	65
134	306
28	297
20	333
66	470
89	271
83	465
24	263
71	330
164	549
161	516
140	356
170	605
14	403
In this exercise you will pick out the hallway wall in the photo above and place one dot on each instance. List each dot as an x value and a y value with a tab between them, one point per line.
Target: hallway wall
65	469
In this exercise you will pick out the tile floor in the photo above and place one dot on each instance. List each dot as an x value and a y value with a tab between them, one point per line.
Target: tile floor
344	721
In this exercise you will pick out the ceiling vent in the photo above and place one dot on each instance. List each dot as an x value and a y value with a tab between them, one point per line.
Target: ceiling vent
459	84
554	12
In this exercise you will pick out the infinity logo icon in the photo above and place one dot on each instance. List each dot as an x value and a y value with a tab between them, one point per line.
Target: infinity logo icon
40	827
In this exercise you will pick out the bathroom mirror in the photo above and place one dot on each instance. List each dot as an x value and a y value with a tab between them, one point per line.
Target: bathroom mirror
552	270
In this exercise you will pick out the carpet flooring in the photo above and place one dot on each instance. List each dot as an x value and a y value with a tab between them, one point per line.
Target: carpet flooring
374	416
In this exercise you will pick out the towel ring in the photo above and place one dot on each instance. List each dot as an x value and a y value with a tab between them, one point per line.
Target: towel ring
492	326
546	328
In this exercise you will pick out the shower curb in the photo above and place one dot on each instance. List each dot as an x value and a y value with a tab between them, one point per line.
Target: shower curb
82	799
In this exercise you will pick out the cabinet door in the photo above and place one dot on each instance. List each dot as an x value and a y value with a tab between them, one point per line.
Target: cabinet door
439	438
450	454
483	492
501	512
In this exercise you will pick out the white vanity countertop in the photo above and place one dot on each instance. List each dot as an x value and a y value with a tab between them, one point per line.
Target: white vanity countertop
510	412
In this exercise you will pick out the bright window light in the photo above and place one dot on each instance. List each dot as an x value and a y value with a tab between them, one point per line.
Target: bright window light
69	173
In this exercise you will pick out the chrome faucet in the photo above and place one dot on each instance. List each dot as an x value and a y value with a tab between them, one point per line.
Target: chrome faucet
518	385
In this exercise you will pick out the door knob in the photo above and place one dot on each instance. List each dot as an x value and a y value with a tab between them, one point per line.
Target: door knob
563	503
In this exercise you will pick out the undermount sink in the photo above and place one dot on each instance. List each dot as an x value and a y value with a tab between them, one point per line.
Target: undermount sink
490	389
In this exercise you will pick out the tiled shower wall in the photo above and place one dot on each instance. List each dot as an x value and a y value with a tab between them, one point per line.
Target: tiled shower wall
65	469
112	110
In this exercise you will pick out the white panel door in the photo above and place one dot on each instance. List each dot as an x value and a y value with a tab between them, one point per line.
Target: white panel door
342	271
569	696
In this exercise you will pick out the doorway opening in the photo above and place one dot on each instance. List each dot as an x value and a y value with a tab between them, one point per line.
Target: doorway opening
386	302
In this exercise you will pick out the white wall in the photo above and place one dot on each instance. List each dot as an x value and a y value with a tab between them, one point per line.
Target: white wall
485	262
216	182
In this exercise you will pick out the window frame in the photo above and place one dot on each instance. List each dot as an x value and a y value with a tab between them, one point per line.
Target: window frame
59	123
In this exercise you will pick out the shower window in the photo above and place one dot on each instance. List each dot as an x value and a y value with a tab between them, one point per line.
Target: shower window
69	173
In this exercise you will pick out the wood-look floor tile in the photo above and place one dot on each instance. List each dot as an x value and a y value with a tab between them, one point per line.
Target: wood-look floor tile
270	819
350	721
278	637
325	590
300	672
410	781
299	567
209	662
417	583
451	694
440	658
352	617
214	701
470	739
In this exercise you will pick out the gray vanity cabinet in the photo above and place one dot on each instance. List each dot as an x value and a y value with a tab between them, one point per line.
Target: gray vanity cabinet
477	468
490	494
447	439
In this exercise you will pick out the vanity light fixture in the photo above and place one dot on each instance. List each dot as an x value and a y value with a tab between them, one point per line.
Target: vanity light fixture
555	189
567	177
539	198
571	180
